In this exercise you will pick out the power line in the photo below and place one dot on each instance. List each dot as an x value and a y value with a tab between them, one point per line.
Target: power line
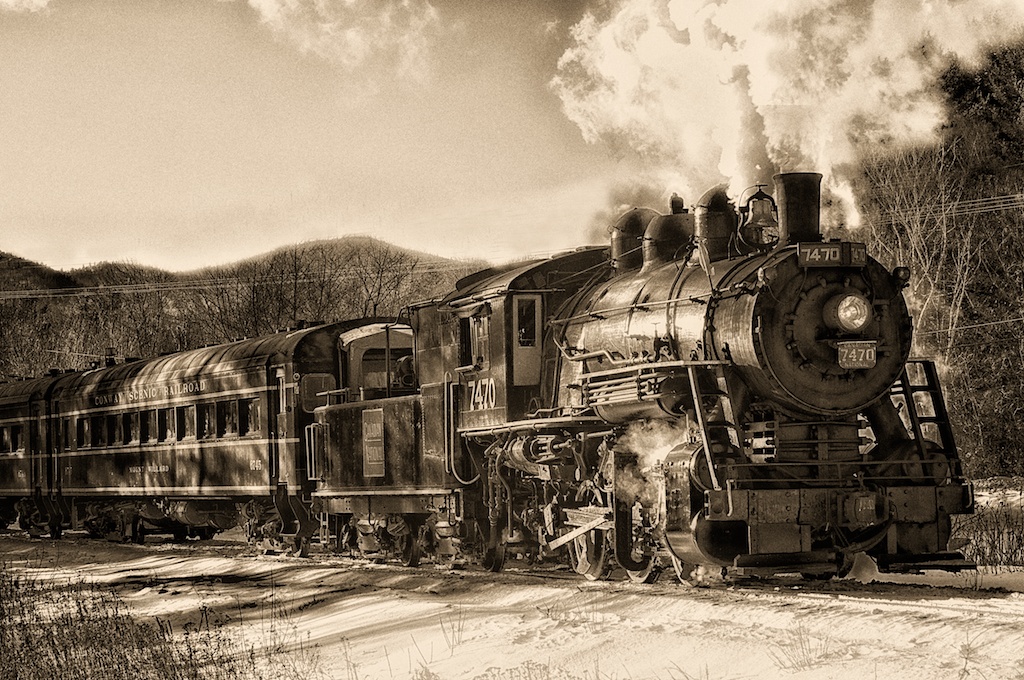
976	206
973	326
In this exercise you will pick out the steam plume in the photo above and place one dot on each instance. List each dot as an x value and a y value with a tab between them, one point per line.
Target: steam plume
652	441
704	88
642	191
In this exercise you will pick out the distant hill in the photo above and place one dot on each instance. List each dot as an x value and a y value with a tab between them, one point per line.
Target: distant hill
119	273
338	253
56	319
17	273
346	246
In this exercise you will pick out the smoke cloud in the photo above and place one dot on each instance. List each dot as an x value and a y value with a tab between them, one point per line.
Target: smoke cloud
639	191
735	90
354	33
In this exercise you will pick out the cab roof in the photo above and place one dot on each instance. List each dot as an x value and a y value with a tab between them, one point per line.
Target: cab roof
552	273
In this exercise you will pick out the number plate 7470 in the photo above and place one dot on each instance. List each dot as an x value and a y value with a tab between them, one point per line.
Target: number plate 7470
857	354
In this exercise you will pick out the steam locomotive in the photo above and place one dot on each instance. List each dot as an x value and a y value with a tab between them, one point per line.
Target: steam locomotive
720	389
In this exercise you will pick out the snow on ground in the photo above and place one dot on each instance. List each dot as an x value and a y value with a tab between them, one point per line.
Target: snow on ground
382	622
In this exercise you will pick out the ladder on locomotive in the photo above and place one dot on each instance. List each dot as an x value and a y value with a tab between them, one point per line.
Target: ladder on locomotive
919	391
724	428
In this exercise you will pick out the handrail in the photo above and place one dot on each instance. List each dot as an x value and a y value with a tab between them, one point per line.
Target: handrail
599	313
310	440
451	432
446	404
657	365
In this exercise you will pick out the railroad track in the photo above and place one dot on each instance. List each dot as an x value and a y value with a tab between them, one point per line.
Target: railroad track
17	549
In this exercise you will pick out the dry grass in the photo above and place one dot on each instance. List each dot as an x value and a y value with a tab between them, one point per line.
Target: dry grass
82	631
801	650
994	535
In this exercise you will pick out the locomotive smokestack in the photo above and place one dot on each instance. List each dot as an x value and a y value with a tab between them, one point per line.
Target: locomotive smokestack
798	197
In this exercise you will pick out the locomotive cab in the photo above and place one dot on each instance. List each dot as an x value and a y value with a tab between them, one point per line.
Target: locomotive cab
489	338
374	362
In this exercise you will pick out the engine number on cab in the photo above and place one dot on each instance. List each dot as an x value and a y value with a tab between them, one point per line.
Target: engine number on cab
482	394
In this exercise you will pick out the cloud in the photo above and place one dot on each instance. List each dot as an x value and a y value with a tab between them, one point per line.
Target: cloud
23	5
356	33
351	33
737	89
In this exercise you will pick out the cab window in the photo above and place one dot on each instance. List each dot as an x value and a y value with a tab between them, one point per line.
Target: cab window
526	322
475	345
375	366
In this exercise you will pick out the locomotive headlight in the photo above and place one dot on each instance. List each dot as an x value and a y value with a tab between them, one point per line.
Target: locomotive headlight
849	312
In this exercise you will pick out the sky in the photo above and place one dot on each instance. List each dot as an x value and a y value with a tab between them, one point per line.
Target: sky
188	133
181	133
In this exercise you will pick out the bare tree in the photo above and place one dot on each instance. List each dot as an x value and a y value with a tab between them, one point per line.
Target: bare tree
382	276
958	230
912	204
